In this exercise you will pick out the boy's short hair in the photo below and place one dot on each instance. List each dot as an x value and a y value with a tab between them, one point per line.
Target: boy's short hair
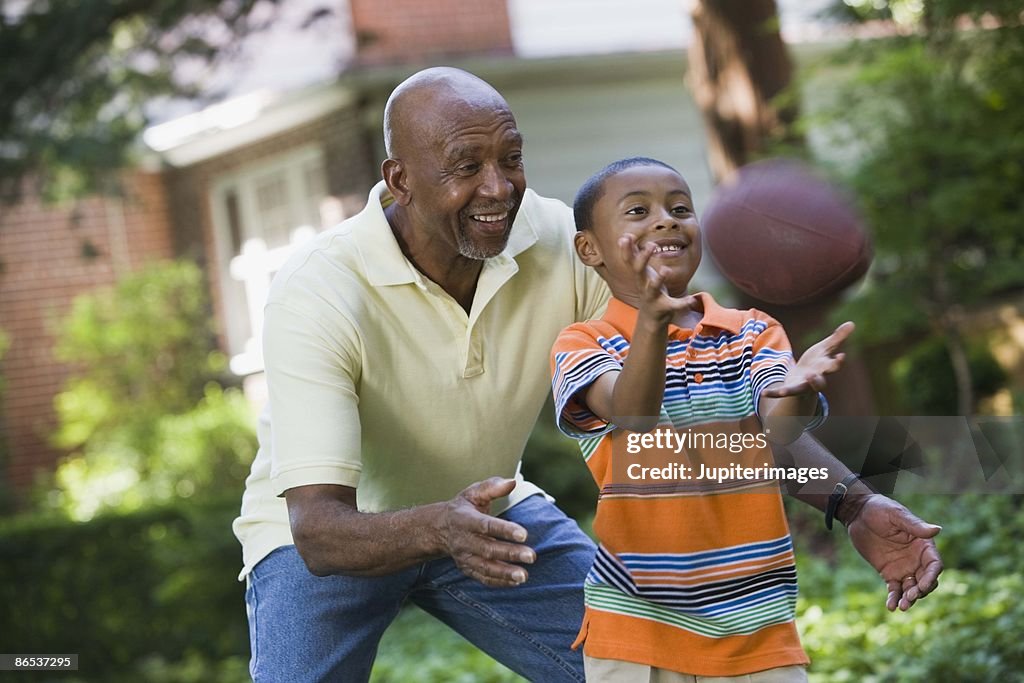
593	188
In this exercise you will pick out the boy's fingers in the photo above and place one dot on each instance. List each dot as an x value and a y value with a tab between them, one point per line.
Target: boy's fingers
836	339
644	258
627	246
687	303
654	280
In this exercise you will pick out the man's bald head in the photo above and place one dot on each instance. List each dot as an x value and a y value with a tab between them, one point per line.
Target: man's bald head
454	168
429	98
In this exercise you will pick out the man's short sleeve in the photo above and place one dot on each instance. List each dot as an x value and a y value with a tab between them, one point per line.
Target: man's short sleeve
311	377
773	357
577	359
592	292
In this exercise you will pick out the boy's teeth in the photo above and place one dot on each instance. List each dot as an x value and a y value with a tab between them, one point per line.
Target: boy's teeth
672	247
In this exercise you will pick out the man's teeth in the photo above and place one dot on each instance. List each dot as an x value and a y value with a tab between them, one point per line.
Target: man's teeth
491	217
670	247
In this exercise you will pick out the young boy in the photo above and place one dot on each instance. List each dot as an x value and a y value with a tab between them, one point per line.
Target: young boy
693	574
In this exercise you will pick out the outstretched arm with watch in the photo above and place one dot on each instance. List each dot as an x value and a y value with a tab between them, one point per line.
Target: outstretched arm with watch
890	537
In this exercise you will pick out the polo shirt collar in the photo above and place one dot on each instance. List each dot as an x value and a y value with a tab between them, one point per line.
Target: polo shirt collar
623	316
384	262
523	235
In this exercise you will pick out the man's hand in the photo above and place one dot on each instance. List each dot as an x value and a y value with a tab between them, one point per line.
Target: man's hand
484	546
899	546
808	375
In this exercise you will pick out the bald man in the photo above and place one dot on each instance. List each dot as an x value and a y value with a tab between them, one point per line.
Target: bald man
406	356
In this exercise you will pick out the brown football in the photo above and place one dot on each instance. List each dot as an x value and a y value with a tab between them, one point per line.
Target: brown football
785	235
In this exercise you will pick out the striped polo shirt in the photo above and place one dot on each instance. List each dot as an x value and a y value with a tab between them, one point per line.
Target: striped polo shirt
691	575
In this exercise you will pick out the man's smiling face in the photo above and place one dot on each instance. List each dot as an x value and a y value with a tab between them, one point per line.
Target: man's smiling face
466	177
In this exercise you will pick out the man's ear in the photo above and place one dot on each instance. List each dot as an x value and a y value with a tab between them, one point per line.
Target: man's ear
587	249
393	171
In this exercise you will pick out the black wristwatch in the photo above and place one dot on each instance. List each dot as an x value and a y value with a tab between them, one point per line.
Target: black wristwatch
837	495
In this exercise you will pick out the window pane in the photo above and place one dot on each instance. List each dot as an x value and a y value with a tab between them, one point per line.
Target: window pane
274	207
231	209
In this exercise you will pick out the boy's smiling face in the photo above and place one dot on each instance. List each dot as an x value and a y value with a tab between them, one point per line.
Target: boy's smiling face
654	205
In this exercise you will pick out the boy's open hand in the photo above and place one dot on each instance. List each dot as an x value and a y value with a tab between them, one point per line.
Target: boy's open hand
655	300
808	375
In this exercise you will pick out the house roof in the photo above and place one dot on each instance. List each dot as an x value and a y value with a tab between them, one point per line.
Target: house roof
242	120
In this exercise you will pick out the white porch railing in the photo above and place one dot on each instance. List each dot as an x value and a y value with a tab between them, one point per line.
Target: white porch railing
255	268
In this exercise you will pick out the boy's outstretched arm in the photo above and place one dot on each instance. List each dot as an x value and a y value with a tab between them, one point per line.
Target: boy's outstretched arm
797	395
631	398
890	537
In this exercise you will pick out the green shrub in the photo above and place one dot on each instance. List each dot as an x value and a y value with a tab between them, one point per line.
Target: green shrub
967	630
925	377
200	451
146	416
926	128
152	596
125	591
553	461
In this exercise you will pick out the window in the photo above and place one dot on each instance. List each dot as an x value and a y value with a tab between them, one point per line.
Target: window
261	213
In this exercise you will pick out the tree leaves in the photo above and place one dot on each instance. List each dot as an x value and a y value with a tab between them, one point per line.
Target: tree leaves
78	74
931	126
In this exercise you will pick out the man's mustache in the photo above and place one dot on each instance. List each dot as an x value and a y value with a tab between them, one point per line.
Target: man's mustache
491	208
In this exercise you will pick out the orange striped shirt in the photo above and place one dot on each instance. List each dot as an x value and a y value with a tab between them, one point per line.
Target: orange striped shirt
691	575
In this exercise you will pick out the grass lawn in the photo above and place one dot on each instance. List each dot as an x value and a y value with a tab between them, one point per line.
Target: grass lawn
418	648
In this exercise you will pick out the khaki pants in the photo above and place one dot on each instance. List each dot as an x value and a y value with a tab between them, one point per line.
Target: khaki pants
615	671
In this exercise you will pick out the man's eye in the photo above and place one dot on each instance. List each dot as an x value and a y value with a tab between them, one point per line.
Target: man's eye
514	159
467	169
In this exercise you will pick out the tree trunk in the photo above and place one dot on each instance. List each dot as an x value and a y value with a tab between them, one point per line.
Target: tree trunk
961	371
948	320
738	63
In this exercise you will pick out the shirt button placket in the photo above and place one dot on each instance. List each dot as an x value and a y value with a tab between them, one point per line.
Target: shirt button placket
474	354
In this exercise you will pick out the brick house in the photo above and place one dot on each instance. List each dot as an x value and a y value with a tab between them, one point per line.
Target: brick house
236	185
47	256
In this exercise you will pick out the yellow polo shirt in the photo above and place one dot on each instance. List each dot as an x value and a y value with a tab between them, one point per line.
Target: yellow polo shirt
379	380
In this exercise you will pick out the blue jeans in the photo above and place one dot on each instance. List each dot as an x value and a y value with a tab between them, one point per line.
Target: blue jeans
308	628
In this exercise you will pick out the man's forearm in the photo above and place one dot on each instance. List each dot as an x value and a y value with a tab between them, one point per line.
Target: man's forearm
333	537
806	451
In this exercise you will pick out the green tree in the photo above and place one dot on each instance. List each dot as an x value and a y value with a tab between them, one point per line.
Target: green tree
77	73
935	124
146	417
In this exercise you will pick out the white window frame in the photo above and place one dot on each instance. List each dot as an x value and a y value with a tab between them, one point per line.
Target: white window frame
244	277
